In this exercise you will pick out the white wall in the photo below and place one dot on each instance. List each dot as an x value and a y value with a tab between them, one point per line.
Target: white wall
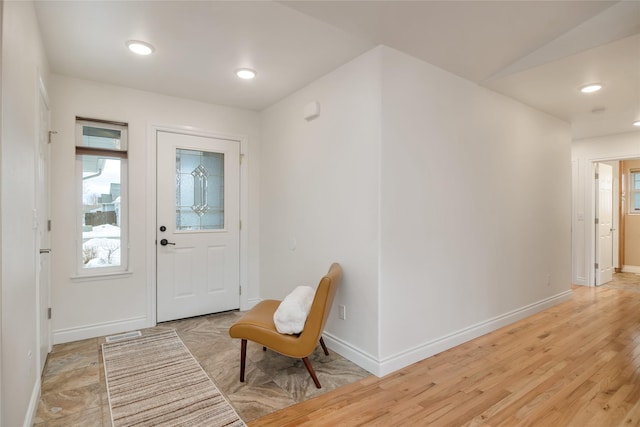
475	210
22	62
85	308
319	198
447	204
583	153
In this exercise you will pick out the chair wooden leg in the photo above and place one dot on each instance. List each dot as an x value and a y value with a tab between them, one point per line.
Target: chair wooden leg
324	347
311	372
243	358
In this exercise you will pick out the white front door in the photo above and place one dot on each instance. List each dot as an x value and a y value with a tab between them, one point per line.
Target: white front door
604	228
198	225
42	232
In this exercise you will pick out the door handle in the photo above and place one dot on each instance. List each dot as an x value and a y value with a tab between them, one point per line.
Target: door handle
165	242
45	251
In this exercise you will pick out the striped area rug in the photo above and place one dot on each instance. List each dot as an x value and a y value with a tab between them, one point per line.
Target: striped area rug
154	380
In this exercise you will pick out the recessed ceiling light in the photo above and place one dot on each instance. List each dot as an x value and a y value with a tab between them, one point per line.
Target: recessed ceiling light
594	87
246	73
636	123
141	48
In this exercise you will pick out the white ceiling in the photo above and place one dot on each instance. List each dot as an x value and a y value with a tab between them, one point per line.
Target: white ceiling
539	52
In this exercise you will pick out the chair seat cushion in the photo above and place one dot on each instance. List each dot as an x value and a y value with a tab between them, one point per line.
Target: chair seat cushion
261	315
257	326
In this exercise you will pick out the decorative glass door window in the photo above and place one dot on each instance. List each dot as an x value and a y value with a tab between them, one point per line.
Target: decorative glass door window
199	190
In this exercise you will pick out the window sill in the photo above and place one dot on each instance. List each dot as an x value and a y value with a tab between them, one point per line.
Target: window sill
101	276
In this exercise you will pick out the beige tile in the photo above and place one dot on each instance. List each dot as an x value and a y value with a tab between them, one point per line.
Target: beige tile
89	418
105	409
76	346
59	404
252	400
71	379
60	362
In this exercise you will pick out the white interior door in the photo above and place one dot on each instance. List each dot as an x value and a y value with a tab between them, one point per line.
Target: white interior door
604	227
42	233
198	220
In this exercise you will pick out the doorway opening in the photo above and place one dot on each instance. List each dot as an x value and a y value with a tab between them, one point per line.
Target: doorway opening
617	218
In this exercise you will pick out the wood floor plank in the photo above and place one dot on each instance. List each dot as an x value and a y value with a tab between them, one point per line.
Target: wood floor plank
576	364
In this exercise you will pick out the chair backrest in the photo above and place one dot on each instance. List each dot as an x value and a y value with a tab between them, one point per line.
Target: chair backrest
320	308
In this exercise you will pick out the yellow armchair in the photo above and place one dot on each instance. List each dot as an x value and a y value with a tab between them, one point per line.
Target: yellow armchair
257	325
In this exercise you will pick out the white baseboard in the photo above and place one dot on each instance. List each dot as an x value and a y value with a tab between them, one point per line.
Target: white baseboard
99	329
405	358
582	281
250	304
631	269
33	403
421	352
357	356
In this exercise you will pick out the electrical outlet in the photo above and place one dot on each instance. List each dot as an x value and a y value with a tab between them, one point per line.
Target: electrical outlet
342	312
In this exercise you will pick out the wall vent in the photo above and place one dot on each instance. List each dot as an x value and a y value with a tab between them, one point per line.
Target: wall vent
124	336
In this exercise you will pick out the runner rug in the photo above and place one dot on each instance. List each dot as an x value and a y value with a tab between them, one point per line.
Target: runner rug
154	380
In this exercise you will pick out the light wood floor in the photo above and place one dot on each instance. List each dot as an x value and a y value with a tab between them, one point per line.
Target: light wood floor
576	364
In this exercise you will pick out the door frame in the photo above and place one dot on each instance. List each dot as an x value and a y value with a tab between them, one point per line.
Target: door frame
590	215
151	217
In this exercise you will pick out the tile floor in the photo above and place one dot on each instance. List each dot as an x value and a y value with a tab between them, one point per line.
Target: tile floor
74	391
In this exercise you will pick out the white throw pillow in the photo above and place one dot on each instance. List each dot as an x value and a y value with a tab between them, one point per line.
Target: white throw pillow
292	312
